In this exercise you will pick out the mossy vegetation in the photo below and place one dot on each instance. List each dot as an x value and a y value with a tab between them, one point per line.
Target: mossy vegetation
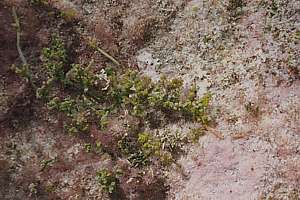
107	180
54	58
87	96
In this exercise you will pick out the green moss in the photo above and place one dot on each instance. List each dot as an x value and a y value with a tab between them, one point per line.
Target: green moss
82	77
54	58
149	144
102	118
75	110
139	159
98	147
67	106
23	71
140	94
46	163
139	150
53	103
195	134
166	158
127	145
172	142
87	147
87	97
43	92
107	180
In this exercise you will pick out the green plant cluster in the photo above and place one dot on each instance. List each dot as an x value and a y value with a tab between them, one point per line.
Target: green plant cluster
131	149
22	71
85	79
145	146
195	134
82	109
148	143
107	180
77	111
139	159
87	97
55	58
93	147
81	112
172	142
127	145
140	94
55	64
154	146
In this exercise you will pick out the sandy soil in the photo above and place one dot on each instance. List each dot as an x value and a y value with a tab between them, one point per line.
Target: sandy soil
248	61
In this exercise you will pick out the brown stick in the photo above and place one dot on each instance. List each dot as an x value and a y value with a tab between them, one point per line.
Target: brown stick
18	27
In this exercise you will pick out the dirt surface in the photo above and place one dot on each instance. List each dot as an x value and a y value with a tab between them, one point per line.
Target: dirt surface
246	53
251	64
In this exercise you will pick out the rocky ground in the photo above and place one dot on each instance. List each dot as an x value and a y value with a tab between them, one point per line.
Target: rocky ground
245	52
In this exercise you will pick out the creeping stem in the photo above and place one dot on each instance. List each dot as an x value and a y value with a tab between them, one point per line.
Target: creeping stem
18	28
